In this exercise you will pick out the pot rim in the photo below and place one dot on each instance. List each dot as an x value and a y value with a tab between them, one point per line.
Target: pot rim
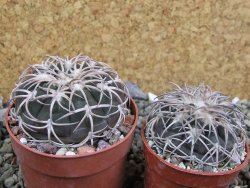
236	169
132	106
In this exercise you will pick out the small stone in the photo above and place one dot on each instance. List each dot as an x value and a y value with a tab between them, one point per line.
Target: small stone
207	168
6	166
85	149
121	137
139	143
152	97
15	177
72	149
124	129
9	182
242	157
236	186
215	169
8	172
150	143
182	165
147	109
232	165
168	159
15	130
7	140
61	151
175	160
108	134
160	155
140	122
6	148
102	144
32	145
1	160
40	148
115	135
235	100
159	151
8	156
47	148
23	140
70	153
135	150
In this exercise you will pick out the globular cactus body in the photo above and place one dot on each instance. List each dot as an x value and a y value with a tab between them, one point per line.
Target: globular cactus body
69	101
197	125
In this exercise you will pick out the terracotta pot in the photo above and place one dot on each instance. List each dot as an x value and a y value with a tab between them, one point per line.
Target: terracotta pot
160	174
104	168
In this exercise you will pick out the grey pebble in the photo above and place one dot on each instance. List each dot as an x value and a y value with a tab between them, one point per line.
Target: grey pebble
47	148
61	151
8	156
102	144
134	149
70	153
15	177
207	168
9	182
6	148
6	174
115	136
7	140
124	129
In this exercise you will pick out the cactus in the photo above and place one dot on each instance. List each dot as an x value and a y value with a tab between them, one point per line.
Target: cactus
69	102
197	125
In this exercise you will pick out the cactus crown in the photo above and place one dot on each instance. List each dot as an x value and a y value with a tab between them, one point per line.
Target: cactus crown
197	125
69	101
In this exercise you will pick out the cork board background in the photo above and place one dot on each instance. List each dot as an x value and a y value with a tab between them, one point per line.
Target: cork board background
149	42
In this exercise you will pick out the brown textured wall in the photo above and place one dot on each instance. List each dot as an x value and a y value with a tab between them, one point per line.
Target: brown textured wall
149	42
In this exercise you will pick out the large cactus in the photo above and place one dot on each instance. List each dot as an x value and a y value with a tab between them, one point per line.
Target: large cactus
69	101
198	126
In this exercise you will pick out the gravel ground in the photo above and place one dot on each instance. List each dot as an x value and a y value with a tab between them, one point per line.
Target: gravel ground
10	174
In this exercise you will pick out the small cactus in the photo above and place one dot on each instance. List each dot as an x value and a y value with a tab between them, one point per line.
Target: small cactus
197	125
69	102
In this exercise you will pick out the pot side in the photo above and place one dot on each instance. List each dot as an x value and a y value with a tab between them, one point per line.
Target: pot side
160	174
102	169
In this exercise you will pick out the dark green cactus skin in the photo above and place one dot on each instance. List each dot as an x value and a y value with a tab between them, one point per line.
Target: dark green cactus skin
69	101
198	125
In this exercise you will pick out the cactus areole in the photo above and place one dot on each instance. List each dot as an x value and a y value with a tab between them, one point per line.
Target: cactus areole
200	127
69	101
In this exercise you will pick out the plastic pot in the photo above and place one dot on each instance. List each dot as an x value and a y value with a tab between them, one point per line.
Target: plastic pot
102	169
160	174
